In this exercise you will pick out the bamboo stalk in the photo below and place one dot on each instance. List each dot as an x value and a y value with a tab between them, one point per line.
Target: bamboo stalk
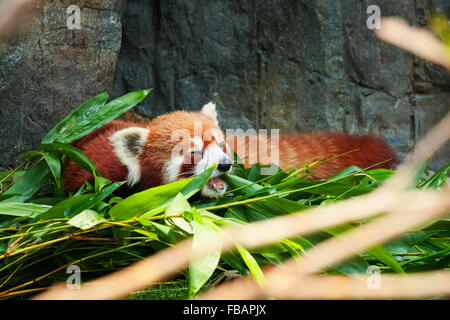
7	292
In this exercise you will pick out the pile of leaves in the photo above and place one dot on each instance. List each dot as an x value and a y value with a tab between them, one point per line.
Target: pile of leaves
44	230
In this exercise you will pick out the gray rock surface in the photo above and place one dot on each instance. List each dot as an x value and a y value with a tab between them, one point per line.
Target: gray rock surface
48	70
295	65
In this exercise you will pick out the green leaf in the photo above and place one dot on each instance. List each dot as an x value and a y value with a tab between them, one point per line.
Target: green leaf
332	188
245	186
20	209
255	173
384	256
279	206
293	247
31	155
235	262
92	115
236	213
407	242
78	157
421	169
442	226
198	182
65	130
429	259
352	266
438	179
251	264
376	176
166	233
86	219
193	186
151	235
75	205
178	206
257	215
197	217
277	177
344	173
142	202
202	267
55	168
29	184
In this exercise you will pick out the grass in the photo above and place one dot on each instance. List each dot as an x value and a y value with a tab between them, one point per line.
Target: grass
172	291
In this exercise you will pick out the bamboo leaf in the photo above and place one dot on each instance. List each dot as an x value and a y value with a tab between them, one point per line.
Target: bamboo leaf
178	206
78	157
201	268
19	209
245	186
86	219
28	184
65	130
92	115
75	205
54	164
139	203
254	173
188	189
438	179
251	264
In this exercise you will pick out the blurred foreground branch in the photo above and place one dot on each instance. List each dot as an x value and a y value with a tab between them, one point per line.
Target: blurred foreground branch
12	14
419	41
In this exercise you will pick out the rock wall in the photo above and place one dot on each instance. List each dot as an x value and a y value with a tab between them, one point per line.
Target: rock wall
289	64
296	65
48	70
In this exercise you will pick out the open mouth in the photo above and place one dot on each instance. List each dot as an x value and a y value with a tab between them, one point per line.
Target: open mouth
215	187
216	183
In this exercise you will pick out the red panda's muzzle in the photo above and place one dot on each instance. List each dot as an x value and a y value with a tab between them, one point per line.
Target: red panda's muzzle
216	183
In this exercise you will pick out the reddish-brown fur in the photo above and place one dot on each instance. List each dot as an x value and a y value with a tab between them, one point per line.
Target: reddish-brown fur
97	147
303	149
294	149
155	155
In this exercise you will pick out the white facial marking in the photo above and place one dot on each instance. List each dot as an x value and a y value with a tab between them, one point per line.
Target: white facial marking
212	154
173	168
128	145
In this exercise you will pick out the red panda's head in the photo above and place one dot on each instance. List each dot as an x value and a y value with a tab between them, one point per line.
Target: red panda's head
175	146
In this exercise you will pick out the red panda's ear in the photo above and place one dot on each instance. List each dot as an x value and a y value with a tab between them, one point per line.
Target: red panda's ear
209	109
128	144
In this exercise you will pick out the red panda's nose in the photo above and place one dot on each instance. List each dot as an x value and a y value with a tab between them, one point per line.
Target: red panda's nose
224	165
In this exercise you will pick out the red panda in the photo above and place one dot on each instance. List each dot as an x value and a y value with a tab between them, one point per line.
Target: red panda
183	144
